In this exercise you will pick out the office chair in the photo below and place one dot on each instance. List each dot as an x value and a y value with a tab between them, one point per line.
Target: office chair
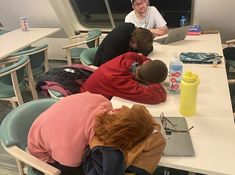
229	55
38	56
12	79
91	39
14	132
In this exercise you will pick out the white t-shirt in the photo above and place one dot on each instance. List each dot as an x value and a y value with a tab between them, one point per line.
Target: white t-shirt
152	20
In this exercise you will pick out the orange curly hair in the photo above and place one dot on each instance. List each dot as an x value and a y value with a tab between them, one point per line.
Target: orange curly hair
124	128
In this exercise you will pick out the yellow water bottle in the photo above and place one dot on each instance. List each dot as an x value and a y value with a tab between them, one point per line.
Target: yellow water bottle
188	93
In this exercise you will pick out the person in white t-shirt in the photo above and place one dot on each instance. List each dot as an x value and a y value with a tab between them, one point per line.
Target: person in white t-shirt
148	17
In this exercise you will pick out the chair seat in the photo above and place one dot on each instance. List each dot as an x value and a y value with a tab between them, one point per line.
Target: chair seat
88	55
76	52
7	91
55	94
231	62
38	70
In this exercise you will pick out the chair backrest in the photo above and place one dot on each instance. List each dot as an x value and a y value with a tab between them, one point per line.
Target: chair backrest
88	55
38	58
15	126
12	79
93	35
19	67
73	50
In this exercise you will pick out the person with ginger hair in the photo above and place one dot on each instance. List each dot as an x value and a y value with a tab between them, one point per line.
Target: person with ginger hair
60	135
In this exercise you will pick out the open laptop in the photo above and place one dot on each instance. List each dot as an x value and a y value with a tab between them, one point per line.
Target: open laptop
177	143
174	35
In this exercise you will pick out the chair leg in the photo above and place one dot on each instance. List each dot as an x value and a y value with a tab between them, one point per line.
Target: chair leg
31	81
16	88
46	60
14	104
20	167
227	66
69	59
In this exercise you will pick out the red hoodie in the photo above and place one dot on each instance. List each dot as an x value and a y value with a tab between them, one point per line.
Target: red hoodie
116	78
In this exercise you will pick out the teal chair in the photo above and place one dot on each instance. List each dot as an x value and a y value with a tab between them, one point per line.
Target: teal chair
12	76
88	55
3	30
14	132
74	50
38	56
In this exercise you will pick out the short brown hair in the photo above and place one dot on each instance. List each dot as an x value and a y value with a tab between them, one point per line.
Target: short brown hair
144	40
154	71
125	128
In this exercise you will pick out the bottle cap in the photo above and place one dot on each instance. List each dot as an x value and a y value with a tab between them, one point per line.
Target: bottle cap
176	59
190	77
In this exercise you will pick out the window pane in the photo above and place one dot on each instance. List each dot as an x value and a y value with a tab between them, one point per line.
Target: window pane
91	13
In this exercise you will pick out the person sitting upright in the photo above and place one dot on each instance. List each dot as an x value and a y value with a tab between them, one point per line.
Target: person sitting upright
147	17
123	38
131	76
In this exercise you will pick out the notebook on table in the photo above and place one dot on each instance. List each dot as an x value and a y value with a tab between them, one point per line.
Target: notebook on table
174	35
200	57
177	143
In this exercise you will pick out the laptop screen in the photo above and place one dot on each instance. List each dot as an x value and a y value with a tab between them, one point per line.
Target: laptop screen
174	35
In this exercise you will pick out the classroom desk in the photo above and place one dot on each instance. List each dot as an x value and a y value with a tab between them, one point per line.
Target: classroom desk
13	41
213	135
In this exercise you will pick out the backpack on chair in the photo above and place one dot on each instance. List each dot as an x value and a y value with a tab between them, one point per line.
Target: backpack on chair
65	80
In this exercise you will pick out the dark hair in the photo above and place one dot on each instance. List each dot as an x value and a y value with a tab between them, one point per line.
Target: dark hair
144	40
125	128
154	71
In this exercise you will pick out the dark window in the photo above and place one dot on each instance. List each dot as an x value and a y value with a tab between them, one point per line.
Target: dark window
93	13
173	10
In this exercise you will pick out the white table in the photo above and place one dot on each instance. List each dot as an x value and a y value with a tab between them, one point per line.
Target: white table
213	135
15	40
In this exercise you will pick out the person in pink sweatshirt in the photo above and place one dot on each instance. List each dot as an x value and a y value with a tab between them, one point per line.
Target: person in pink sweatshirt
60	135
131	76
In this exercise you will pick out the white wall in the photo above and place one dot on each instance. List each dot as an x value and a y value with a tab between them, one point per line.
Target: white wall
39	13
216	14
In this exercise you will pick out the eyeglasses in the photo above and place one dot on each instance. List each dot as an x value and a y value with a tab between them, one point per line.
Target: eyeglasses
173	127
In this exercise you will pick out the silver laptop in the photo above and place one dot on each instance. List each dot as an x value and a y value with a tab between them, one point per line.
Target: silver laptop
177	143
174	35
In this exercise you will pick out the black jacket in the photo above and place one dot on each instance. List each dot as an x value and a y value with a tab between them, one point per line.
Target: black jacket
114	44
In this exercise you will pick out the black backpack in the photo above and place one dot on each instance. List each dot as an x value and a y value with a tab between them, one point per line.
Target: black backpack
65	80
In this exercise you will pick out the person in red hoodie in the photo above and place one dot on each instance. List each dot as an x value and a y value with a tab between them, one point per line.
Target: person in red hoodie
131	76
